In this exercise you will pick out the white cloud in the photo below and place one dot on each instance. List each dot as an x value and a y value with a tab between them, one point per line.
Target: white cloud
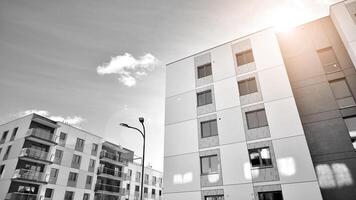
75	120
128	67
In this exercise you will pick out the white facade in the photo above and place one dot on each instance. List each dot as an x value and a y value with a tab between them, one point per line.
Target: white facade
292	170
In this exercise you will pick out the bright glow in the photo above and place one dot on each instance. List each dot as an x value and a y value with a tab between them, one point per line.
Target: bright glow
73	120
213	178
338	175
183	179
342	174
286	166
247	171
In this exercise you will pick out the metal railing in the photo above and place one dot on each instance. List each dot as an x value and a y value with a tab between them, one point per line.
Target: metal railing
36	154
110	188
30	175
41	133
21	196
112	172
114	157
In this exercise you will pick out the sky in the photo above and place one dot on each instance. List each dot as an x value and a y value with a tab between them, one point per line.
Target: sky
95	64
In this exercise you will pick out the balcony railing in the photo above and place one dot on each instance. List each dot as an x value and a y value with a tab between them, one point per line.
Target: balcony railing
37	154
114	157
21	196
43	134
30	175
112	172
110	188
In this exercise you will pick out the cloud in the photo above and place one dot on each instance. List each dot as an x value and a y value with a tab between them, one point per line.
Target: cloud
75	120
128	67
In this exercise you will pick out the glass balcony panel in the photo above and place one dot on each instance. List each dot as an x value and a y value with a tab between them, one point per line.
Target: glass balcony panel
30	175
41	133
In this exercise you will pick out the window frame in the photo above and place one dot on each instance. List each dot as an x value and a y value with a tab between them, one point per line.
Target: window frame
210	164
210	128
244	56
261	165
215	197
267	192
258	119
13	134
204	93
207	70
247	86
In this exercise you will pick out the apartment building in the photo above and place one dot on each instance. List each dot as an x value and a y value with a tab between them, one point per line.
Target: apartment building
153	182
41	159
265	117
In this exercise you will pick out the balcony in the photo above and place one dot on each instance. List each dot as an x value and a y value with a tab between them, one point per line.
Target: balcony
30	175
113	158
111	172
41	135
37	155
21	196
110	189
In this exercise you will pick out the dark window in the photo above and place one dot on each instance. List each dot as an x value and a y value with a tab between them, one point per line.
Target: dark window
62	139
53	176
153	192
86	196
69	195
76	161
209	164
342	93
79	145
160	193
209	128
260	157
7	152
328	60
204	98
137	188
91	165
214	197
244	57
48	193
273	195
58	156
128	187
2	167
145	190
247	86
256	119
204	70
94	149
72	176
13	135
3	137
89	180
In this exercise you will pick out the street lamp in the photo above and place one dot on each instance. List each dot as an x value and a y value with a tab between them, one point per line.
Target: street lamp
141	120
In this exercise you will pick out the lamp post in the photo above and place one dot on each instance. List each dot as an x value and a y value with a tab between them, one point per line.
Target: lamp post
141	120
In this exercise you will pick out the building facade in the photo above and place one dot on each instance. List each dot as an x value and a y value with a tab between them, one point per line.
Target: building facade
265	117
41	159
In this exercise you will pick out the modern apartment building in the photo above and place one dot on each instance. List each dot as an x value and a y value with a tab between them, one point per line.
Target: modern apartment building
41	159
153	182
268	116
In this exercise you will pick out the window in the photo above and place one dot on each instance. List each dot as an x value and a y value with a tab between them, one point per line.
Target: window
2	167
153	192
62	139
91	165
53	176
137	188
89	180
209	164
204	98
160	193
72	179
214	197
69	195
138	176
48	193
154	180
351	126
209	128
146	178
3	137
256	119
6	155
273	195
94	149
260	157
79	145
129	172
328	59
244	57
145	190
342	93
128	187
86	196
76	161
13	135
247	86
58	156
204	70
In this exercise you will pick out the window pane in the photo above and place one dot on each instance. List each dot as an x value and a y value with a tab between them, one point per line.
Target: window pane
214	127
201	99
254	157
214	162
252	85
201	72
274	195
208	97
252	120
205	128
249	56
262	119
205	165
266	157
208	71
240	59
243	88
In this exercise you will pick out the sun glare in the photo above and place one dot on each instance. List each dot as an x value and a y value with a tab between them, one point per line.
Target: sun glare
286	17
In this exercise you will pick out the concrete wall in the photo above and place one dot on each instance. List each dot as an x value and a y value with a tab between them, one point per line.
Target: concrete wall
328	138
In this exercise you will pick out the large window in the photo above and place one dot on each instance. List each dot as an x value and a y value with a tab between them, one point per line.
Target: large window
256	119
209	164
137	188
273	195
208	128
58	156
351	126
328	59
244	57
260	157
48	193
204	70
79	145
342	93
204	98
76	161
13	135
247	86
62	139
69	195
72	179
214	197
94	149
53	176
91	165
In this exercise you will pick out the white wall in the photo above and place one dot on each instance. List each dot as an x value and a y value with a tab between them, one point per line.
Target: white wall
181	196
230	126
222	62
181	107
180	77
297	191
